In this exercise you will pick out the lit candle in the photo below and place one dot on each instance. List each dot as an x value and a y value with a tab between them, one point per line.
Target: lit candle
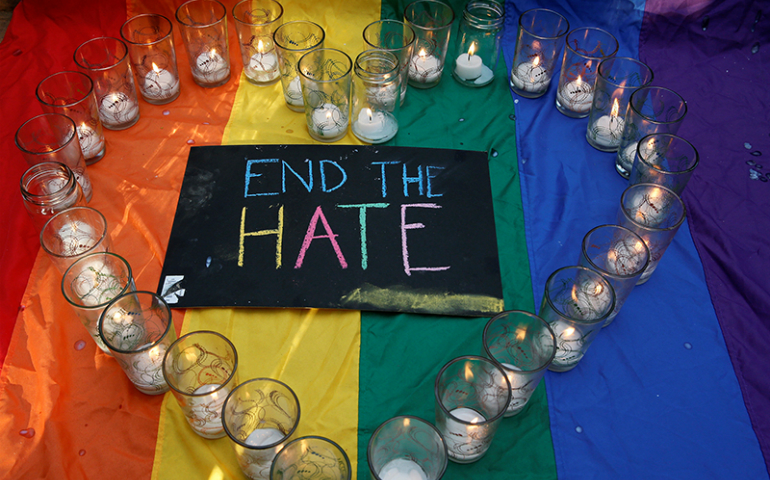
146	369
293	93
328	121
531	76
569	344
625	257
648	206
608	129
160	84
375	127
117	109
424	68
256	463
91	143
402	469
210	67
206	410
76	238
463	441
469	67
576	96
263	66
521	389
590	300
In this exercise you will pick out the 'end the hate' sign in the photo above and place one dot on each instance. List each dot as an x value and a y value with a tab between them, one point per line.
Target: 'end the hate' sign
341	226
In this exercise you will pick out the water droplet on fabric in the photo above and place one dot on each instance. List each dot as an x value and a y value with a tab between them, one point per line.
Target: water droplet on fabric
705	23
763	179
208	262
21	308
190	142
461	120
756	153
512	117
516	101
579	429
82	452
206	123
166	112
80	345
494	153
755	48
289	130
747	145
27	432
751	162
688	345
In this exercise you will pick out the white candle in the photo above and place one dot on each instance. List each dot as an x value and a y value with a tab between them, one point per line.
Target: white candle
264	436
576	96
424	68
402	469
649	209
375	127
76	238
469	66
256	463
117	109
328	121
521	389
293	93
160	84
626	257
206	411
383	97
263	66
463	442
210	67
590	300
569	344
146	369
91	143
530	76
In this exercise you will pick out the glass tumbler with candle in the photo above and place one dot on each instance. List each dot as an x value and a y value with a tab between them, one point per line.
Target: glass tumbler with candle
664	159
472	395
72	234
325	76
651	109
72	94
394	37
202	369
585	49
138	329
91	283
406	447
478	43
259	416
311	457
255	23
203	24
292	41
619	255
539	39
524	345
655	213
150	42
576	303
376	92
617	79
105	60
431	21
48	188
52	137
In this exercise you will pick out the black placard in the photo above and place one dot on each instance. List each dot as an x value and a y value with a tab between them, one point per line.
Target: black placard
352	227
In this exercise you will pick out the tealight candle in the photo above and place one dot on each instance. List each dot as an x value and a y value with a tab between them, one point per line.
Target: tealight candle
469	67
328	121
90	142
531	76
293	93
375	127
210	67
648	207
520	388
264	436
462	443
146	369
206	411
424	68
576	95
402	469
263	66
608	129
160	84
117	108
625	257
569	344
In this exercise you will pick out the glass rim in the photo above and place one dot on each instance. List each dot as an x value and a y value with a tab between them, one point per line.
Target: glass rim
436	2
37	118
395	22
601	73
176	342
606	273
249	24
646	227
537	318
63	73
203	25
390	74
650	88
116	41
659	170
472	9
326	49
314	437
572	319
68	211
369	446
299	50
163	38
38	170
101	305
478	358
549	12
245	384
149	346
595	29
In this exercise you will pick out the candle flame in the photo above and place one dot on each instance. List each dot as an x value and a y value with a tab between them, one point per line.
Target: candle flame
579	81
155	354
521	333
568	331
615	108
423	54
468	372
472	49
155	69
260	47
536	61
406	422
369	112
